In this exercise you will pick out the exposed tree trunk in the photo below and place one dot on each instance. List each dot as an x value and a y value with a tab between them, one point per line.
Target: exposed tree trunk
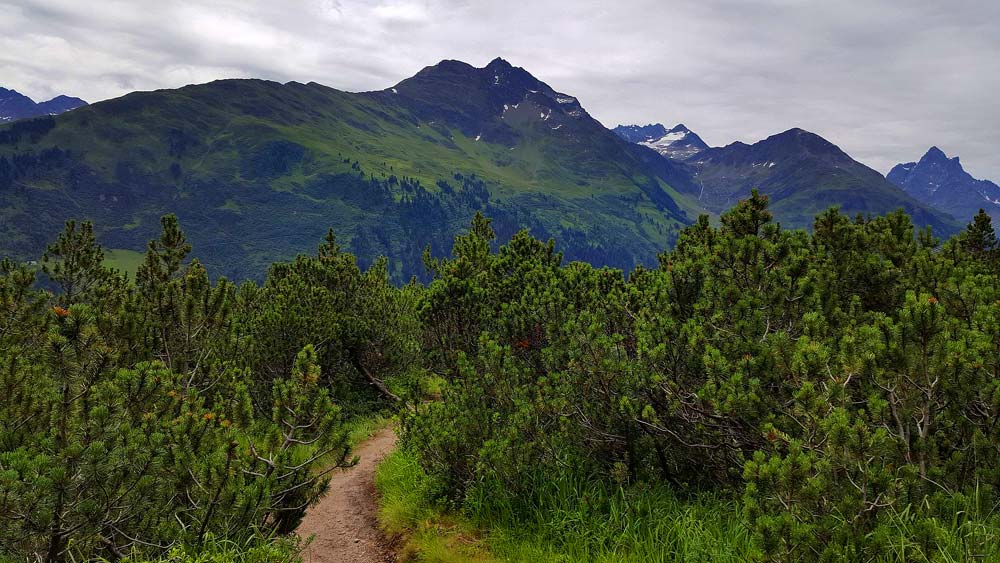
379	384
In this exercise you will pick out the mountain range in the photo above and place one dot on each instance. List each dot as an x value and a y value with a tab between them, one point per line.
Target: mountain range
14	105
802	173
942	182
257	171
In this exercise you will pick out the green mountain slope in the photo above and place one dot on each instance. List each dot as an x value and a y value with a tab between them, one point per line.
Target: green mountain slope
257	171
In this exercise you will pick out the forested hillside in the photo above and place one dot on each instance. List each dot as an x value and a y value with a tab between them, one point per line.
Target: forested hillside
258	170
810	396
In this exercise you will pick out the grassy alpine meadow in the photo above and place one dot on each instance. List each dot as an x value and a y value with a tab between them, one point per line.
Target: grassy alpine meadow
126	261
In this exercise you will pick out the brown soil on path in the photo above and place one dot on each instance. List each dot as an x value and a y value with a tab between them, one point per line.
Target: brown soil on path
344	522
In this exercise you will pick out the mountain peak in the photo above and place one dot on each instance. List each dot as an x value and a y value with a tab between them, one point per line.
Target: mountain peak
14	105
934	154
938	156
499	63
942	182
805	141
446	66
803	174
480	101
677	143
640	133
795	132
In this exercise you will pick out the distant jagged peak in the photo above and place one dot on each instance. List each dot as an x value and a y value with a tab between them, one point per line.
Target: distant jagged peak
934	153
676	143
937	156
640	133
943	182
934	162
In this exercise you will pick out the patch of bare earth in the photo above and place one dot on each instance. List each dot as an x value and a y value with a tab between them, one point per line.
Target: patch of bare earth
344	523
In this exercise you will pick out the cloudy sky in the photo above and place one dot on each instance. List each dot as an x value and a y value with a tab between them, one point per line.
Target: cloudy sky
882	79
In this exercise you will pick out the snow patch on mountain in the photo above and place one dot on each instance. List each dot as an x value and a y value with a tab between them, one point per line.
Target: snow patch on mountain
678	143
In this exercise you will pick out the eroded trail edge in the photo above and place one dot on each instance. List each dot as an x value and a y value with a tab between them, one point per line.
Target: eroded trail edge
345	521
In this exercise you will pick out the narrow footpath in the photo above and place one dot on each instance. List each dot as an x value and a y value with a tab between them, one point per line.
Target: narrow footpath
344	522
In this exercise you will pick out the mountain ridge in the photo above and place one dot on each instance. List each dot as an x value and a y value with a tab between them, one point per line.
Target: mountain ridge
14	105
257	171
803	174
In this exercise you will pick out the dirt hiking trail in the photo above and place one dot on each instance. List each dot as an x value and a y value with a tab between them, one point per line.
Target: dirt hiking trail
344	522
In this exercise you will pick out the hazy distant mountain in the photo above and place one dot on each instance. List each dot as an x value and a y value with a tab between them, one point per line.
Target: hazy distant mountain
258	171
943	183
679	143
803	174
14	105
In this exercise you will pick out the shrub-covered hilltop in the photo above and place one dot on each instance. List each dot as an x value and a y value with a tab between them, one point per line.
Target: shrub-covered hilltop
764	394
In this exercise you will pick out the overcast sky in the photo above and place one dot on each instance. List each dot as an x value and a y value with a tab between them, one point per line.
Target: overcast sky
884	80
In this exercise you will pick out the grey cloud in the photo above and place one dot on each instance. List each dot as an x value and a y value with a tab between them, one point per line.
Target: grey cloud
882	79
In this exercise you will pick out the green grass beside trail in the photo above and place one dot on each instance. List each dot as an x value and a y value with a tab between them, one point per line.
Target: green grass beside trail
571	522
429	532
648	525
258	550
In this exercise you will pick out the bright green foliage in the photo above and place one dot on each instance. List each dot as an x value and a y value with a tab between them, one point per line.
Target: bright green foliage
169	417
363	328
848	380
559	524
835	393
258	549
183	319
75	264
